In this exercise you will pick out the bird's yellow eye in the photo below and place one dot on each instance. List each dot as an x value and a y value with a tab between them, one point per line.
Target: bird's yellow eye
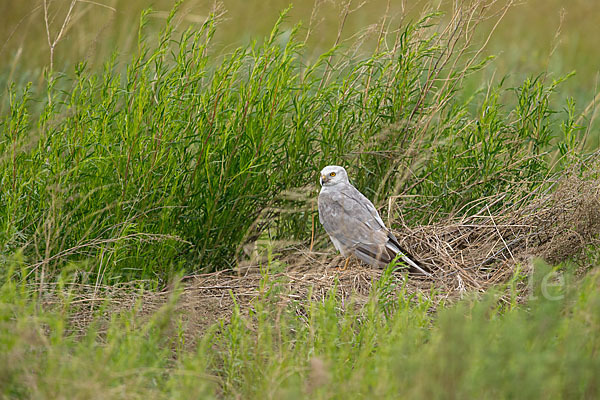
332	174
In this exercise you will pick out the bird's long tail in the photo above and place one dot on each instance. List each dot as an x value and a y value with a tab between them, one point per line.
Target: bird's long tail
414	265
404	256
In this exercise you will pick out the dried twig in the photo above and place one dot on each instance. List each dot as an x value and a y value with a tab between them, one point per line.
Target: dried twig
53	42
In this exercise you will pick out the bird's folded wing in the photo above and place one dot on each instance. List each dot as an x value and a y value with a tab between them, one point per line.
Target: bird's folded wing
368	210
345	216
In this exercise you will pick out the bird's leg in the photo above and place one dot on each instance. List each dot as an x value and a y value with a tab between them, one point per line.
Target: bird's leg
345	264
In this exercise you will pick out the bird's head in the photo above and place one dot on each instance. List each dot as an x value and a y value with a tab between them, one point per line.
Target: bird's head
332	175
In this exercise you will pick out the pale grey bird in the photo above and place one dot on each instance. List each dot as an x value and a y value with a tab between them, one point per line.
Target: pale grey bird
354	225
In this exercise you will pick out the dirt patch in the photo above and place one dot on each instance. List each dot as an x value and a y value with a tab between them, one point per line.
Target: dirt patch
557	221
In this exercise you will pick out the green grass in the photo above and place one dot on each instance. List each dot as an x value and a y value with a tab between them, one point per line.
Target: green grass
174	157
393	347
180	157
524	40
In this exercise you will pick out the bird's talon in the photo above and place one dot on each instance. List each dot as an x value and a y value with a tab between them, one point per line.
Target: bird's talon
345	265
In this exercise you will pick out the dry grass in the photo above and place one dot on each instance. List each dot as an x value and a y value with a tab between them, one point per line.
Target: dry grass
467	255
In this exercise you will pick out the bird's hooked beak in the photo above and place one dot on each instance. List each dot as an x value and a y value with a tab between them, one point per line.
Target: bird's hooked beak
324	179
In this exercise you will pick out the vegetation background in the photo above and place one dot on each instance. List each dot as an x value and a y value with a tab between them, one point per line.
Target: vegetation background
535	35
139	146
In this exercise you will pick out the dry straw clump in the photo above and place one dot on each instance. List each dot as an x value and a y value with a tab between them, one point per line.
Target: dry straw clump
468	254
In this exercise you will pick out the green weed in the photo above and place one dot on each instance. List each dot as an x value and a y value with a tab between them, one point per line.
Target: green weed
311	348
182	156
